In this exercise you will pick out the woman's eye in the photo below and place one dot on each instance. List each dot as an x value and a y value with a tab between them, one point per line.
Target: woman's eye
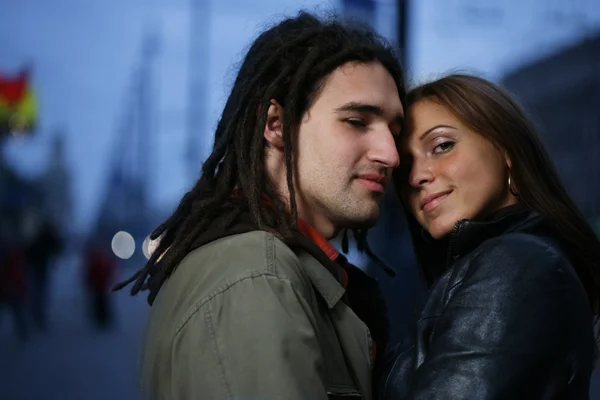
443	147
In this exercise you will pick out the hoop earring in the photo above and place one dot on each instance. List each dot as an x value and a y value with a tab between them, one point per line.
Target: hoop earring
511	188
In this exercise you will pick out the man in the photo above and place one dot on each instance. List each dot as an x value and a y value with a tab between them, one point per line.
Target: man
249	299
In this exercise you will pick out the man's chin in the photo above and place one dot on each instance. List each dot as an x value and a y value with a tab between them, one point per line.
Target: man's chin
365	221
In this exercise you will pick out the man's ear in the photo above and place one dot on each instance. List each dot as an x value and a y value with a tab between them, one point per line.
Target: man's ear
274	125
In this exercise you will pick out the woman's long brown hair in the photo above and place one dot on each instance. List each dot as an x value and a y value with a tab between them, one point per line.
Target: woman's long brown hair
493	113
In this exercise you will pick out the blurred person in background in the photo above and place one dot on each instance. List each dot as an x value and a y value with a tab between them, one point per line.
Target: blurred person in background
249	299
46	245
13	283
99	274
511	263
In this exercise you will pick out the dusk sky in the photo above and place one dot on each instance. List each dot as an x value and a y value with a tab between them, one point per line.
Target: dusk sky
83	54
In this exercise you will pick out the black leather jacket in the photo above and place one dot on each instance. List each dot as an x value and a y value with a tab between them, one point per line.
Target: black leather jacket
507	319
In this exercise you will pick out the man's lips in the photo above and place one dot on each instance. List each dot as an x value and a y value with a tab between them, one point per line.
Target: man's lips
373	181
431	201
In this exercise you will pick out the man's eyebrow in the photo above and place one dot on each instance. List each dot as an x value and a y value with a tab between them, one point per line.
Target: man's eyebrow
369	108
360	107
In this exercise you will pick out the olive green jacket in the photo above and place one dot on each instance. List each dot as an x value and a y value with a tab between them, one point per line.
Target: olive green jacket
246	317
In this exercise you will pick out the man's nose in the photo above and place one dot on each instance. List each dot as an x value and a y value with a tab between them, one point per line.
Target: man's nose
384	150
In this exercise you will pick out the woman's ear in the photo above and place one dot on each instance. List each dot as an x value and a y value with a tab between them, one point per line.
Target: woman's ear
508	160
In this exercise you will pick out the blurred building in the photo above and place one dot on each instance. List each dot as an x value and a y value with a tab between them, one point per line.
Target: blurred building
19	202
18	115
197	137
362	11
56	187
562	93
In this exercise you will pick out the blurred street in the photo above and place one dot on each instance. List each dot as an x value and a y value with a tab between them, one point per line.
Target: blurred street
73	361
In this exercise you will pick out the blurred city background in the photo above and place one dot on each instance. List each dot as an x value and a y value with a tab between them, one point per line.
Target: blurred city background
116	103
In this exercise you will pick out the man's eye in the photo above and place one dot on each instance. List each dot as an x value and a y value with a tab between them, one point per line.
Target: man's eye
356	123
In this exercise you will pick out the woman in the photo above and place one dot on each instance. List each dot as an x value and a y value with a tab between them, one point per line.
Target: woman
512	264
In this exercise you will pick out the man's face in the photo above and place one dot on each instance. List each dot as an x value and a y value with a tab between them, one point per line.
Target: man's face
345	151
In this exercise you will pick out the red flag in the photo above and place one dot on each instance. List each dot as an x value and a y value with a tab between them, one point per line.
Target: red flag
13	88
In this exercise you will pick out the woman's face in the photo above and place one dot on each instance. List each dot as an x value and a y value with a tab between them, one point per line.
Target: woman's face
452	173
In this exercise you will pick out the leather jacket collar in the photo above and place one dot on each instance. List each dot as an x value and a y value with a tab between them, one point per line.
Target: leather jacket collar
467	235
435	256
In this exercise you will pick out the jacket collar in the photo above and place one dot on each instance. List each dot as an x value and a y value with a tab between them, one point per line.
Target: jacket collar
467	235
324	273
435	256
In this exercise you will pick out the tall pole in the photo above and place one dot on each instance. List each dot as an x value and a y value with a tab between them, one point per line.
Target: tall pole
197	95
403	31
145	113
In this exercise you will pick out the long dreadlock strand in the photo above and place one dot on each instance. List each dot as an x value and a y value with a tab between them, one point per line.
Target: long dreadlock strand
345	245
362	244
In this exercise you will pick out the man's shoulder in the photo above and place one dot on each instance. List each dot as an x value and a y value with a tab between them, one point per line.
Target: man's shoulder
225	261
257	251
218	268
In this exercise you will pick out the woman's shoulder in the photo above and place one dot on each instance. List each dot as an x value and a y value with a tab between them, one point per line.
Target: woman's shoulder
521	257
515	243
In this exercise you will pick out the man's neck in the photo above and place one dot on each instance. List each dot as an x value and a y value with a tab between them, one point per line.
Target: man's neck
317	238
318	223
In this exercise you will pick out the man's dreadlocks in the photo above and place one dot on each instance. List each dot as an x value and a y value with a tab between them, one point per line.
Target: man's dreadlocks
288	63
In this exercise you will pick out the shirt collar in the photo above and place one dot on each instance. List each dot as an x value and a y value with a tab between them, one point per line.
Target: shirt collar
310	232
